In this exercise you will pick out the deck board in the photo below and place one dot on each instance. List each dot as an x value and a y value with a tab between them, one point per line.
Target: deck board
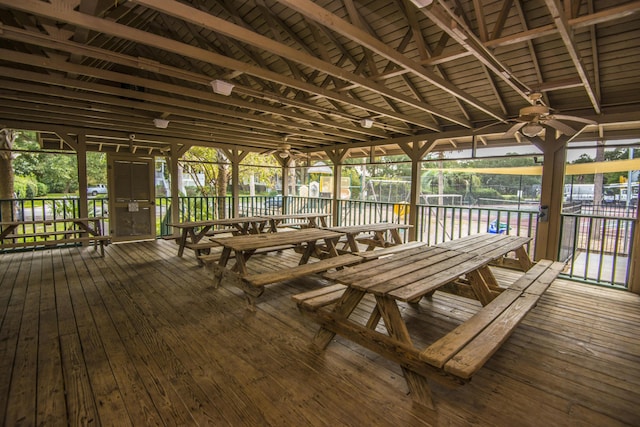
141	337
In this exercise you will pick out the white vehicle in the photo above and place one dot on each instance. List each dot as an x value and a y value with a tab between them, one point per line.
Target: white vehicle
578	193
94	190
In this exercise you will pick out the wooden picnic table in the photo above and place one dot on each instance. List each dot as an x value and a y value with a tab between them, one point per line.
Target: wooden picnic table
244	247
496	247
194	231
74	230
408	276
302	220
8	227
381	234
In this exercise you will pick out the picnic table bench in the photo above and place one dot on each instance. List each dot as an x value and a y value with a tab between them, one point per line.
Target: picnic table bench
72	231
193	233
376	235
407	276
297	220
244	247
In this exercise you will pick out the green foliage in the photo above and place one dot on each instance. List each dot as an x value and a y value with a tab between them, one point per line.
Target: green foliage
58	172
486	193
206	162
25	187
64	208
96	168
608	178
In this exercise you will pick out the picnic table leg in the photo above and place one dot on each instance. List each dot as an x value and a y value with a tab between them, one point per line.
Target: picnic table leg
481	283
418	385
351	243
311	246
183	242
219	269
343	309
523	259
331	247
395	235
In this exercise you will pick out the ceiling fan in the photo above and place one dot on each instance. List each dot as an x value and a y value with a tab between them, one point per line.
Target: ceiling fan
284	150
533	118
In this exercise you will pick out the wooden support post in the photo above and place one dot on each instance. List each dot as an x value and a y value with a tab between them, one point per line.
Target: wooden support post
235	156
416	151
81	152
285	163
336	157
548	229
175	191
634	261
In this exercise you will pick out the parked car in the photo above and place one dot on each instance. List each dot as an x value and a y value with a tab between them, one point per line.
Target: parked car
273	201
94	190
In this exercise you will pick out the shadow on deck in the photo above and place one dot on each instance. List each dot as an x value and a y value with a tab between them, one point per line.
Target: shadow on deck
140	337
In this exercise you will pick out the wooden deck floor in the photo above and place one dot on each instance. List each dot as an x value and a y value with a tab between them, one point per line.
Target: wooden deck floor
140	337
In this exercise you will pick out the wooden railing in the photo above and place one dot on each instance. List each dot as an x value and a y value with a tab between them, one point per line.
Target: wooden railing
596	240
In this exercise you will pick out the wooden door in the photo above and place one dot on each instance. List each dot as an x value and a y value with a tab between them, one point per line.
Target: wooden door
132	213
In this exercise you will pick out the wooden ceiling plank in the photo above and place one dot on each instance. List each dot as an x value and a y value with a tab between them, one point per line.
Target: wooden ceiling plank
415	27
177	90
532	51
461	33
358	21
108	27
606	15
214	23
164	104
502	19
313	11
482	26
567	38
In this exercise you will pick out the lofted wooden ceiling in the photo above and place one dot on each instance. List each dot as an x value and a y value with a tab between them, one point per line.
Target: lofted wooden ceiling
309	72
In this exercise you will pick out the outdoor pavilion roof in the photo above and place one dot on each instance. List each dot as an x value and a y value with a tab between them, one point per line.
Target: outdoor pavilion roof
309	72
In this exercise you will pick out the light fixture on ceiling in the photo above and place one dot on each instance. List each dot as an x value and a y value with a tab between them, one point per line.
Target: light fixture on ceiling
161	123
221	87
366	123
531	129
283	154
421	3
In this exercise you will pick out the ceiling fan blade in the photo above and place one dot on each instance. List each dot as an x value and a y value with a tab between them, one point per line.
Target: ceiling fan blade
574	119
558	125
512	131
268	152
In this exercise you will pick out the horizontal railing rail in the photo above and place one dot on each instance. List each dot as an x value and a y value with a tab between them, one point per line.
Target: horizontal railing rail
595	239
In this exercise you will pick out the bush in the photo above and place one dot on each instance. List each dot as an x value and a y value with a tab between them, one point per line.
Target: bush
42	189
26	187
486	193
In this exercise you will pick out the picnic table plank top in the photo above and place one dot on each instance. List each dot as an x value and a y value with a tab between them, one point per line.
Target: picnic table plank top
363	228
489	245
297	216
221	221
266	240
410	274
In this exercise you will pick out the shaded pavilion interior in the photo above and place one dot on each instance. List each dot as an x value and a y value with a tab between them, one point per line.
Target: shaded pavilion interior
93	76
140	337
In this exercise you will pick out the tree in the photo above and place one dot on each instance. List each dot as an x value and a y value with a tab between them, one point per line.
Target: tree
7	140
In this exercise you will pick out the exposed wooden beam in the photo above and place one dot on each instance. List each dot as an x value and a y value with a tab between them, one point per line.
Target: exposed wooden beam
460	32
300	122
122	31
321	15
216	24
567	37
